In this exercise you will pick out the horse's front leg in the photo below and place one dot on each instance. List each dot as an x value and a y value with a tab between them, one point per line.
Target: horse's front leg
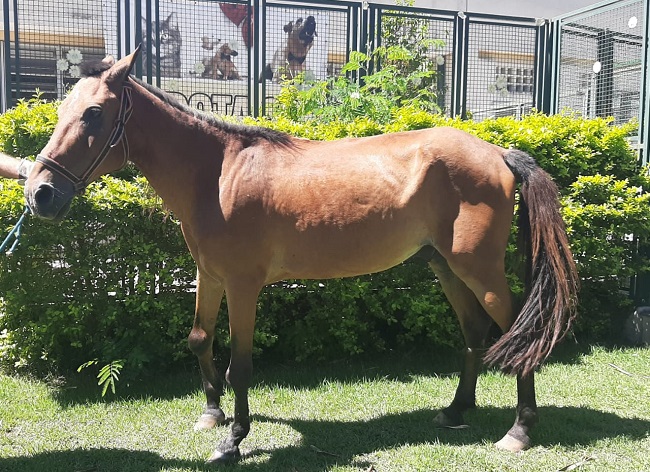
208	298
242	303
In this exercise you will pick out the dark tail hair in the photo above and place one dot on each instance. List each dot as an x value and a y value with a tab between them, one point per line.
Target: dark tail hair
551	278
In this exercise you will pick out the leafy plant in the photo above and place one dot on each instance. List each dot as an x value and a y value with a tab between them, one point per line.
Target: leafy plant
108	375
426	52
26	128
377	96
115	280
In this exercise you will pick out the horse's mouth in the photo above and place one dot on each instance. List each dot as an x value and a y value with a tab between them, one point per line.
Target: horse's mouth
54	218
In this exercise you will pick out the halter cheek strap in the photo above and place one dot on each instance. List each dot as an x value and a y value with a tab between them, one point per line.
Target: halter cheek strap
80	182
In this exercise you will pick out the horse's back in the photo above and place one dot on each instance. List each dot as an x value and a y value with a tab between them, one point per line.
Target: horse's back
422	168
359	205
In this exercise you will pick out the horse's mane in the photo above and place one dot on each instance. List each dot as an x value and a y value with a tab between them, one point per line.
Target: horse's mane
93	68
251	133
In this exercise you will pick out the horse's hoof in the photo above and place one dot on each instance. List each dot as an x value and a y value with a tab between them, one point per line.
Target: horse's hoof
511	444
228	457
210	420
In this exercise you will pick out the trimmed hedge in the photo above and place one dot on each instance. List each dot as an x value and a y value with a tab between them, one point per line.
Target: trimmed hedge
114	281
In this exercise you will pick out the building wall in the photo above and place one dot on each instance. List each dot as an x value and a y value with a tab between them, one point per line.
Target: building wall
525	8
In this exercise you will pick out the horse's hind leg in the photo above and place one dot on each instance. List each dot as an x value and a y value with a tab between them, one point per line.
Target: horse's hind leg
475	324
208	299
485	277
516	439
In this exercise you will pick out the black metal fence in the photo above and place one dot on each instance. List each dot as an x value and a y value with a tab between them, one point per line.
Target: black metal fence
229	56
600	59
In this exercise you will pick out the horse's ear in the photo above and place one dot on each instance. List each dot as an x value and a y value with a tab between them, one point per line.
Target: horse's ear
122	68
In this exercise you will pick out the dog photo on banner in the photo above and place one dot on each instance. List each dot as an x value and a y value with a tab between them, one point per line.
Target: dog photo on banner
198	52
296	43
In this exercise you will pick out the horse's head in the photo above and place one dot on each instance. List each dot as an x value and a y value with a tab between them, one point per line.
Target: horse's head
88	141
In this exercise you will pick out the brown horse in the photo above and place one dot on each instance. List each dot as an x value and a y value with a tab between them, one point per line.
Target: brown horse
257	206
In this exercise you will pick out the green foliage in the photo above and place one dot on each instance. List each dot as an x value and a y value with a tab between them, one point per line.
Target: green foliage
25	129
114	282
95	287
402	81
413	35
108	375
332	318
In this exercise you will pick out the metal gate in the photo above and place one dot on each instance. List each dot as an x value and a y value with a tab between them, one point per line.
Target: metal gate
600	64
226	56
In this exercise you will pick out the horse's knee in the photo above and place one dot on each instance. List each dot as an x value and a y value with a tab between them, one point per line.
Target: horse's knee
199	341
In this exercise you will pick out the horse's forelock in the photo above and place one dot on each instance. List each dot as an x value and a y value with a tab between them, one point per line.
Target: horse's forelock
93	68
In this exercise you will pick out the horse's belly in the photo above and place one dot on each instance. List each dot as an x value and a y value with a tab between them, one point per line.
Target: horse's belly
322	253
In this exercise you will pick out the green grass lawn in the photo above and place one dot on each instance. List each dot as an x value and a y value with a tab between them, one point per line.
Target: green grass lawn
346	416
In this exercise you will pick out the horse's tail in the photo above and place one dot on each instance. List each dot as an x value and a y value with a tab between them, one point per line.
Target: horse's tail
551	277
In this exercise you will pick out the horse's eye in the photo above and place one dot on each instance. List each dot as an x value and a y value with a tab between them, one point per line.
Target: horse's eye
92	113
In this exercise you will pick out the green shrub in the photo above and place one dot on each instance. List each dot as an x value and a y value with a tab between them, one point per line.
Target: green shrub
25	129
114	281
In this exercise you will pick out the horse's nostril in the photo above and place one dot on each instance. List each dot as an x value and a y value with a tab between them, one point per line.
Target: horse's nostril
44	195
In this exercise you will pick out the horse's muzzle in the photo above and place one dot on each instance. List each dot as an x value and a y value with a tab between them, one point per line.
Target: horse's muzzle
47	202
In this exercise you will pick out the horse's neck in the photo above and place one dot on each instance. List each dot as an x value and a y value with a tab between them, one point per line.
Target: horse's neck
164	150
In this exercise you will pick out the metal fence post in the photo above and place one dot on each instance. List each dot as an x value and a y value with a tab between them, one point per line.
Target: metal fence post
258	12
459	82
138	39
644	111
543	67
16	56
6	95
556	41
605	78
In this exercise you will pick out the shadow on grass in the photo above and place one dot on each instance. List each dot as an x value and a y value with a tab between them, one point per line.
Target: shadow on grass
167	386
96	460
399	365
325	443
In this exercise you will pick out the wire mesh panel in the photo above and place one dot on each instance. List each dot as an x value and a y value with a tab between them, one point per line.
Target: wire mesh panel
601	60
198	51
220	56
302	39
430	39
500	70
49	39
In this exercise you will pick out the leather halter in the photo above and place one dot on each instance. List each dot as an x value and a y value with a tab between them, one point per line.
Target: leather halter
118	134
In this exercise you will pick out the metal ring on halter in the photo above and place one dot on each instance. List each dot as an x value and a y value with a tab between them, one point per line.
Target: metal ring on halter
117	135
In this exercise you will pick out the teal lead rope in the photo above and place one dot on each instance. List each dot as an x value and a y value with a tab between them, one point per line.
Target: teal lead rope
15	233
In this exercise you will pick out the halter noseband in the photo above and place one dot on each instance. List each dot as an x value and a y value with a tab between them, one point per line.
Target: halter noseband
118	134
